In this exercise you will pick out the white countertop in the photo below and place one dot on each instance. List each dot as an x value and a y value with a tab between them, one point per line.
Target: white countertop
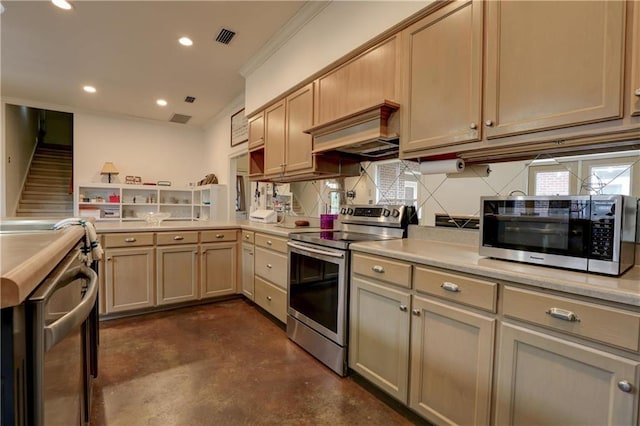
169	225
26	260
465	258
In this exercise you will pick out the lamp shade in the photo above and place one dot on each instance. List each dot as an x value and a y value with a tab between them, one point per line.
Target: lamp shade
109	169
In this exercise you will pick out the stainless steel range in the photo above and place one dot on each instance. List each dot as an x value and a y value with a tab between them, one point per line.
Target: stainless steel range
318	281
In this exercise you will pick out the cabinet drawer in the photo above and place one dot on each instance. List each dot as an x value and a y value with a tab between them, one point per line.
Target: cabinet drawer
389	270
177	237
128	240
216	236
469	291
248	236
271	242
602	323
271	298
271	266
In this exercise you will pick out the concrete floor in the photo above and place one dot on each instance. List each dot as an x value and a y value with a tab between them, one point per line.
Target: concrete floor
223	364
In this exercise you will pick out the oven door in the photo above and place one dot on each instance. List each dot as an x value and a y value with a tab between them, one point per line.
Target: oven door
317	289
59	365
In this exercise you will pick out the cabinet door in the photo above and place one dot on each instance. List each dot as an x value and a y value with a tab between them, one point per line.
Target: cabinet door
177	274
451	363
442	58
128	279
275	136
247	271
299	106
547	381
552	64
218	270
366	80
635	57
379	335
256	130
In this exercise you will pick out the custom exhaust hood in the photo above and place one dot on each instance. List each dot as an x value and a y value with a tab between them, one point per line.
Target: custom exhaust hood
371	133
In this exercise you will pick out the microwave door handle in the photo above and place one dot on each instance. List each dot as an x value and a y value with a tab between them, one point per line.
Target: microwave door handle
58	330
312	250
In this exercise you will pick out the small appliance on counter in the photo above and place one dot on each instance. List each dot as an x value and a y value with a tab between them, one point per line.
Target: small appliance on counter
591	233
264	216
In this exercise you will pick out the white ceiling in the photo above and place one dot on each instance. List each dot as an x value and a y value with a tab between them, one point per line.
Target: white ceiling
129	51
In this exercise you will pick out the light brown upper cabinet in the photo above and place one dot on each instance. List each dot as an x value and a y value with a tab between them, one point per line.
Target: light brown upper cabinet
287	147
552	64
364	81
635	68
442	74
256	130
274	141
299	108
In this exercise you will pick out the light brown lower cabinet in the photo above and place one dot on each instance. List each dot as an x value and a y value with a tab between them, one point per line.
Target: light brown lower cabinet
451	363
217	269
379	335
248	270
129	279
271	298
544	380
177	274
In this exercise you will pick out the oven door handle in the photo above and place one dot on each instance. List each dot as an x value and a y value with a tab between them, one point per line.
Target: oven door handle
58	330
317	251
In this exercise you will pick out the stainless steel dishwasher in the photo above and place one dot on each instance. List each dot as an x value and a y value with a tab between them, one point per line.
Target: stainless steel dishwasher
60	347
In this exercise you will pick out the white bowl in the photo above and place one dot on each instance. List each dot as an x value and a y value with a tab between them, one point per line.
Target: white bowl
153	218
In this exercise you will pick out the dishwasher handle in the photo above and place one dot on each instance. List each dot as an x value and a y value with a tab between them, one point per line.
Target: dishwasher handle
58	330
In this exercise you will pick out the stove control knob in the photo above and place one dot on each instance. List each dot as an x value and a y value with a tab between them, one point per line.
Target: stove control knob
343	211
386	212
349	211
395	213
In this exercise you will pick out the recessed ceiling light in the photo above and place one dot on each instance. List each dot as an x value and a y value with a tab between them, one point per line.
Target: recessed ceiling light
62	4
185	41
161	102
89	89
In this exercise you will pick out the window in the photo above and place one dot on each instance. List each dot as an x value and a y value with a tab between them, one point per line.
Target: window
396	182
553	179
610	176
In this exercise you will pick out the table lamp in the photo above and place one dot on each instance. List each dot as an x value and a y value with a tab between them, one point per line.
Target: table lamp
109	169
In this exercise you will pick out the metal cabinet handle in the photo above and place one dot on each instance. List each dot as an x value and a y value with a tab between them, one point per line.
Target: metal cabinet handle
178	237
563	314
109	259
377	268
219	236
269	298
473	126
416	312
269	242
130	240
488	123
269	266
637	92
452	287
625	386
403	308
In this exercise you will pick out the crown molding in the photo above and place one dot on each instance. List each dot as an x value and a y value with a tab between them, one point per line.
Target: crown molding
291	28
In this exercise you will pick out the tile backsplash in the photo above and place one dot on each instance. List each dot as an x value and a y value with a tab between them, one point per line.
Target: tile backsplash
400	182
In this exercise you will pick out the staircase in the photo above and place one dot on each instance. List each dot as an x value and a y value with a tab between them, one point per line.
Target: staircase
47	190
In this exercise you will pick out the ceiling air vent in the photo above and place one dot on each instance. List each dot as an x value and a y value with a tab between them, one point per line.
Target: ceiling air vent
179	118
225	36
190	99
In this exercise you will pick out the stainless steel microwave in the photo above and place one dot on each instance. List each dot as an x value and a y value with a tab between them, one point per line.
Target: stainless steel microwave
594	233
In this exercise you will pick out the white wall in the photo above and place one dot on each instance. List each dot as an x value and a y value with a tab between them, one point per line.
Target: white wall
21	129
217	151
153	151
335	31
